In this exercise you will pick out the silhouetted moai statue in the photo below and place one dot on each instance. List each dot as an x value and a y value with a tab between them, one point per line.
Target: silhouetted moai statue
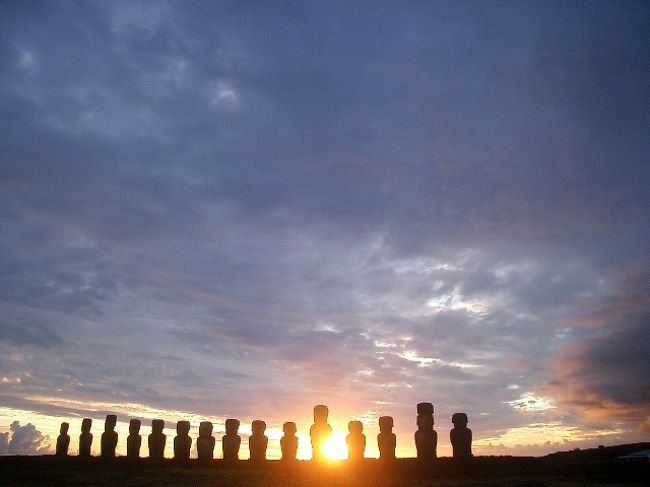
258	441
461	436
320	432
386	439
109	437
182	441
205	442
231	441
157	439
134	440
85	438
289	442
426	439
63	441
355	441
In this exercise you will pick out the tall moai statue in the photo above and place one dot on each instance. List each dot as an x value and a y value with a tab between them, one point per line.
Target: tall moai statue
182	441
319	432
258	441
134	440
205	442
461	436
63	441
157	439
289	442
109	437
231	441
386	439
355	441
85	438
426	439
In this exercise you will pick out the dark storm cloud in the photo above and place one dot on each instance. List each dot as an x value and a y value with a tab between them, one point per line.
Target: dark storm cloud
375	203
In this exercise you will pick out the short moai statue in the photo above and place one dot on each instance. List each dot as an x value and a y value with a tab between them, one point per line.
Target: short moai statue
426	439
134	440
289	442
319	432
205	442
85	438
461	436
258	441
157	439
355	441
109	437
63	441
231	441
182	441
386	439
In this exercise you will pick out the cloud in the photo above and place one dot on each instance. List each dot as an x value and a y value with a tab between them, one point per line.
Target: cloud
604	375
24	440
213	215
29	333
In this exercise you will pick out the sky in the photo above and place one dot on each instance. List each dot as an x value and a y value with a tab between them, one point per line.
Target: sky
244	209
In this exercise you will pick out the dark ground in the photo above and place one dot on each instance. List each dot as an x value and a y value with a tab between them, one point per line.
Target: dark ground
595	467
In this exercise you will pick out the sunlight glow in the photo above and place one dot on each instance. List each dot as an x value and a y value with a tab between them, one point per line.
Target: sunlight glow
551	436
334	447
412	356
456	301
530	402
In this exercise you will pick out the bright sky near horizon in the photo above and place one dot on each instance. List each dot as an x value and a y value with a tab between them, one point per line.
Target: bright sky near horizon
244	209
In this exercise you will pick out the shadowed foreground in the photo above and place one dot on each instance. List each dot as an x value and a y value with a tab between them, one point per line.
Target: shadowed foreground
567	469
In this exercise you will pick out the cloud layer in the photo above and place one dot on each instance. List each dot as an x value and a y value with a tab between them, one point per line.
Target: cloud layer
245	211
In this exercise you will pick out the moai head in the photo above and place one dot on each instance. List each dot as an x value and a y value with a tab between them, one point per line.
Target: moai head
157	426
425	408
205	428
134	426
258	427
111	421
86	424
321	412
425	422
386	424
64	428
232	426
182	428
289	428
355	427
459	420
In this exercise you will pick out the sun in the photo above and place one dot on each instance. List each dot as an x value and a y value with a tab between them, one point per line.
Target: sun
334	447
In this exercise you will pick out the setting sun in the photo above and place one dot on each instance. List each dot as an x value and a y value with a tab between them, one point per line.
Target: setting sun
334	447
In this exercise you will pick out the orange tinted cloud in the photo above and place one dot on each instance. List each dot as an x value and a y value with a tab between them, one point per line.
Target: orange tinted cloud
604	376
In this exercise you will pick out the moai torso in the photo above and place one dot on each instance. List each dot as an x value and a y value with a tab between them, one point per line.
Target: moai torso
109	437
134	440
355	441
182	441
157	439
319	432
289	442
205	442
461	436
63	441
231	441
426	439
386	439
85	438
258	441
